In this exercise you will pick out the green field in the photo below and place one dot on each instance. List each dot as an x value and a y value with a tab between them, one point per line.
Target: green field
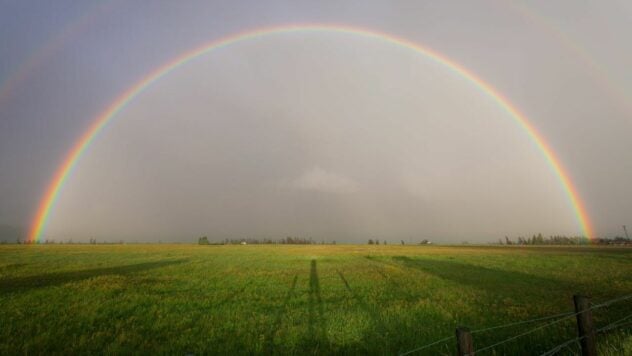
314	299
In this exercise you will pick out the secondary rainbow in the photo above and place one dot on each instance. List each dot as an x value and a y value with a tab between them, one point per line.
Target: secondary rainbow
54	45
65	170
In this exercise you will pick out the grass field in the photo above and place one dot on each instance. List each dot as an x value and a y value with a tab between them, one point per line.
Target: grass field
190	299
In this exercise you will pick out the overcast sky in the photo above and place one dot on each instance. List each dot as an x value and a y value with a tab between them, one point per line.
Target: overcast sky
324	135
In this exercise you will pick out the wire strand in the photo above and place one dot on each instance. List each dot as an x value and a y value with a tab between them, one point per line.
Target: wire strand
609	302
610	326
427	346
612	301
522	322
563	317
615	324
525	333
557	348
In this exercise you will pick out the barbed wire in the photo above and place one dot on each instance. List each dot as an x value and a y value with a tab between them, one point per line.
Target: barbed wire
612	301
596	306
610	326
522	322
427	346
615	324
561	316
525	333
559	347
568	347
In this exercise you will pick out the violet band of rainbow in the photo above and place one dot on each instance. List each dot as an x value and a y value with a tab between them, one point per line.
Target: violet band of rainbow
47	203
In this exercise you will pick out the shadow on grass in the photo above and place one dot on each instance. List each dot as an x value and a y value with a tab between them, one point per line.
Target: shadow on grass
12	266
521	287
316	333
269	340
380	329
522	290
495	281
381	334
397	290
232	296
21	284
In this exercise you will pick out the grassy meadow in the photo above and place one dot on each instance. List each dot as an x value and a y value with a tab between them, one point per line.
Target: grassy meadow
313	299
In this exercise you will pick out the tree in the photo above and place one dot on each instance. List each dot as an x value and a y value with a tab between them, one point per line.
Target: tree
403	243
203	240
370	241
377	242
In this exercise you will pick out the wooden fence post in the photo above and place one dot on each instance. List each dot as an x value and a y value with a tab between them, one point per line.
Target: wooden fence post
464	344
585	326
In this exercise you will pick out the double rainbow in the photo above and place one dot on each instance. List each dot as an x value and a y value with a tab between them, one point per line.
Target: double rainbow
65	170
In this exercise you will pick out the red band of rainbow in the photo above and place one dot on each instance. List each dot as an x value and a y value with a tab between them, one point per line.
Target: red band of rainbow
63	172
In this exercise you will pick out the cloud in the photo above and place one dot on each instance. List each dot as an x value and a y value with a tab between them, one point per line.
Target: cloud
317	179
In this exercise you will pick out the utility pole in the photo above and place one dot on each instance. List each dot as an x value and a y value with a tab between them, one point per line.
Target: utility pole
626	232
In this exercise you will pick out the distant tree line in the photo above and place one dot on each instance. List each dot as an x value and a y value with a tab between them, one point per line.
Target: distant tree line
67	242
617	240
564	240
377	242
266	241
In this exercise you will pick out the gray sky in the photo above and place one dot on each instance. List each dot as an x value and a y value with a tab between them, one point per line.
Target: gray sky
322	135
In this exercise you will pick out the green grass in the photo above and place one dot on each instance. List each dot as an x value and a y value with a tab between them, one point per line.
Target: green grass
190	299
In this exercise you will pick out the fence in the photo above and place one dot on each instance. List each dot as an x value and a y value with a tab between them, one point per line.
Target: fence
587	333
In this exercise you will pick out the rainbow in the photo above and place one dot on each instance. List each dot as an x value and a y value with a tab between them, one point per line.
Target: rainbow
55	44
65	170
608	83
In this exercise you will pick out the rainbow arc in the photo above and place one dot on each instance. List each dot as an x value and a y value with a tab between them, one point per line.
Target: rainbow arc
47	204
